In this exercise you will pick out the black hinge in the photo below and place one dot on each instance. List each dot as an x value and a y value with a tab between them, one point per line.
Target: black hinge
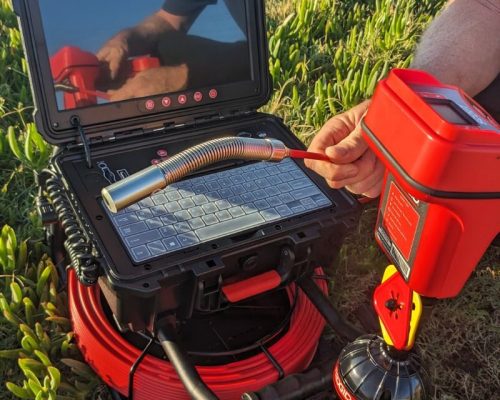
206	119
75	122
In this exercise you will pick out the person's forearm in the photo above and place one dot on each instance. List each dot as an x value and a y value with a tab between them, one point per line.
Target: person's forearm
462	45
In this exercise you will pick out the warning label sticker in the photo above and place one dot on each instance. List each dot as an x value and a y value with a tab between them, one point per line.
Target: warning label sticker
400	219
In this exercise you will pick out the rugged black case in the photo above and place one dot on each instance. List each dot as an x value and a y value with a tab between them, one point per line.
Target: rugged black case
189	280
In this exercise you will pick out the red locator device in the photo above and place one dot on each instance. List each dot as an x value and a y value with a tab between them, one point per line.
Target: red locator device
76	71
440	205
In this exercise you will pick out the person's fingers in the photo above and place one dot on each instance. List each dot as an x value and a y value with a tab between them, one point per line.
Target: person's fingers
115	60
370	185
366	166
332	132
348	149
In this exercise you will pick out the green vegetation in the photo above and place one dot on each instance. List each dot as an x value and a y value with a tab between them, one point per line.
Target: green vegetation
325	56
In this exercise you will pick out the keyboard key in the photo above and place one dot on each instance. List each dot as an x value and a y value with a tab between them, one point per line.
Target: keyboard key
173	196
196	223
186	193
259	194
154	223
213	185
261	204
171	244
131	208
262	183
238	189
229	226
209	208
300	183
210	219
247	197
307	201
182	216
197	211
186	203
304	192
213	196
226	193
146	203
273	170
235	200
158	211
156	248
200	200
145	213
223	215
249	208
236	212
167	231
270	214
284	211
274	180
172	207
222	204
237	179
284	187
188	239
200	189
159	199
298	209
322	201
140	253
272	191
274	201
125	219
182	227
224	182
143	238
286	177
132	229
250	186
285	198
168	219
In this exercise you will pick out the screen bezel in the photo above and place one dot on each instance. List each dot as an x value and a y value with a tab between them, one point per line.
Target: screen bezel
57	125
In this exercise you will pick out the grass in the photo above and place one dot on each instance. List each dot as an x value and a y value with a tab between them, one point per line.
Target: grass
325	56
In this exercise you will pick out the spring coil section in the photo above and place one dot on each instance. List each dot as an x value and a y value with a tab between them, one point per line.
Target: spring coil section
77	245
136	187
197	157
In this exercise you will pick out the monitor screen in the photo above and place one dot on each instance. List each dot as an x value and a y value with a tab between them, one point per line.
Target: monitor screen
450	112
108	51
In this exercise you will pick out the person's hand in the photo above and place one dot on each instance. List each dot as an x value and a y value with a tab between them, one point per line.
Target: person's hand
114	53
353	165
151	82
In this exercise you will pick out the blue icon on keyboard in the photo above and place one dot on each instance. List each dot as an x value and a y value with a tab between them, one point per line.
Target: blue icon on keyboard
208	207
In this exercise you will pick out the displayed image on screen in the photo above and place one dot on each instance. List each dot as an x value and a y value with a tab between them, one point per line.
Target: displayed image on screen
115	50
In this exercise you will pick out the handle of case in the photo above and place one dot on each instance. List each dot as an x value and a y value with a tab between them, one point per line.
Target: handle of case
253	286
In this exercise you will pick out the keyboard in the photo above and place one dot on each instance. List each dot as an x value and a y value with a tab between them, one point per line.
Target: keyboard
203	208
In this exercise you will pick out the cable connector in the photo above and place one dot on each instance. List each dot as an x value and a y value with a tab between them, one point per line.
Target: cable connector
46	210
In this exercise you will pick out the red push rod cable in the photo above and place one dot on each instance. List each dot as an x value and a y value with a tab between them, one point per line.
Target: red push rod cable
308	154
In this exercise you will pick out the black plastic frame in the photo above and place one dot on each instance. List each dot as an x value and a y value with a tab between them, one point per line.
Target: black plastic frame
56	127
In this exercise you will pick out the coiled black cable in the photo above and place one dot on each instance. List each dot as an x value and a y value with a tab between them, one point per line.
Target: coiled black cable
82	254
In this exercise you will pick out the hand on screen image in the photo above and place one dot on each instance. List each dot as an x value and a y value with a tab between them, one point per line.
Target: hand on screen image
187	61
